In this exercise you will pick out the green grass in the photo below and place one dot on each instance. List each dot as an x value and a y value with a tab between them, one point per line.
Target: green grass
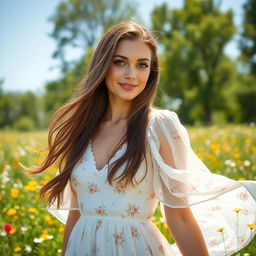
19	192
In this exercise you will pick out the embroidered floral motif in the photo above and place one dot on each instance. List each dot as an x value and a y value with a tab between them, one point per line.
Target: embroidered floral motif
134	232
93	188
245	212
214	242
161	249
242	239
120	188
82	159
243	196
133	209
215	208
98	224
119	239
101	210
176	135
152	196
74	180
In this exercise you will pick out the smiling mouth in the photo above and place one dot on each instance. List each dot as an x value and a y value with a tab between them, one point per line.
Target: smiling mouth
127	86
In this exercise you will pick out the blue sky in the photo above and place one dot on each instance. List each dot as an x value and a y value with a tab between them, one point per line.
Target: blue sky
26	48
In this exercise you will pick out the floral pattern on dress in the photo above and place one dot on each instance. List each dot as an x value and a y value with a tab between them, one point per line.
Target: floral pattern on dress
133	210
152	196
74	180
101	210
119	238
120	188
98	224
92	187
134	232
161	248
82	159
243	196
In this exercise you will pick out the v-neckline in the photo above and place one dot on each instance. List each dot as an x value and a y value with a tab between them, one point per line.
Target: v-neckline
94	159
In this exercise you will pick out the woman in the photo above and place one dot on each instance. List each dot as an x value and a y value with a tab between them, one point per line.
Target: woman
119	155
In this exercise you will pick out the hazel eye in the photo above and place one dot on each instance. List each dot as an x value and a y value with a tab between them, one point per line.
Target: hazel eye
143	65
119	62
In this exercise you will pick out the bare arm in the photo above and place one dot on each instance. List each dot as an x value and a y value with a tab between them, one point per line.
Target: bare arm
181	222
71	221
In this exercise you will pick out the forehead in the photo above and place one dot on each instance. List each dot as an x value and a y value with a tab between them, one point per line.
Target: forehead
133	49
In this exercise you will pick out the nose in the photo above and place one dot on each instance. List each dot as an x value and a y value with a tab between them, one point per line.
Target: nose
130	72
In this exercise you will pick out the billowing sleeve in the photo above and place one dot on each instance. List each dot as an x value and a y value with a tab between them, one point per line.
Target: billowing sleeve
216	201
70	202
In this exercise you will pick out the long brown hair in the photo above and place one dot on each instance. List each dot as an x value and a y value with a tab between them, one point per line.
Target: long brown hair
76	122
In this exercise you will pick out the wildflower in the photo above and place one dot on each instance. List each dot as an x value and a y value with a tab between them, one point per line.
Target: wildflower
242	178
17	249
220	229
251	226
38	240
13	231
11	212
61	229
24	229
247	163
28	248
32	210
3	233
7	227
237	210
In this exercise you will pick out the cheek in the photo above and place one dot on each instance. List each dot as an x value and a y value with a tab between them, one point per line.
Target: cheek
113	73
144	77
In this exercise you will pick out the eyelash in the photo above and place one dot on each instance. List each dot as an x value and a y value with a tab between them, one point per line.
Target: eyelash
117	62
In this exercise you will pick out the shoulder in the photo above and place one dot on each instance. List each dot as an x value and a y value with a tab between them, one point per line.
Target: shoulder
164	117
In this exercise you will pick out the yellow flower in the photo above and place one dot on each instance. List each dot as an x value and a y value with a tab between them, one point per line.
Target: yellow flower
61	229
17	249
29	188
47	218
32	210
237	210
44	236
1	196
157	222
242	178
32	183
13	231
220	229
14	192
165	226
11	212
251	226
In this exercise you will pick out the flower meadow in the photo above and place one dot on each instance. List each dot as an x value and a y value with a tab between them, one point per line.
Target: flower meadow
28	229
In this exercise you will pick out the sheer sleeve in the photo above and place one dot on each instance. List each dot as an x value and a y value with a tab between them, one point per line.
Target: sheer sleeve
211	197
70	202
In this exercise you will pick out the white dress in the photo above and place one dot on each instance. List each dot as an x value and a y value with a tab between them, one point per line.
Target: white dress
116	220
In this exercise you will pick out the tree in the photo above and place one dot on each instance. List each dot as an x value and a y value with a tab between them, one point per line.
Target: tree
79	23
246	93
248	36
193	40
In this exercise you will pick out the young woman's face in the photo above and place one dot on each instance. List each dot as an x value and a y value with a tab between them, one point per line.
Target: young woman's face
129	70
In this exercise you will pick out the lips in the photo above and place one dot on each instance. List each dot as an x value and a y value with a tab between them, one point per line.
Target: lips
127	86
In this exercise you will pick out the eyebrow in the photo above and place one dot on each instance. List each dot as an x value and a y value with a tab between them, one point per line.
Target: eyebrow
121	56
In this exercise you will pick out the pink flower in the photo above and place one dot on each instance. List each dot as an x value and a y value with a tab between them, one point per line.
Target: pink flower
134	232
132	210
100	210
93	188
118	238
243	196
8	227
